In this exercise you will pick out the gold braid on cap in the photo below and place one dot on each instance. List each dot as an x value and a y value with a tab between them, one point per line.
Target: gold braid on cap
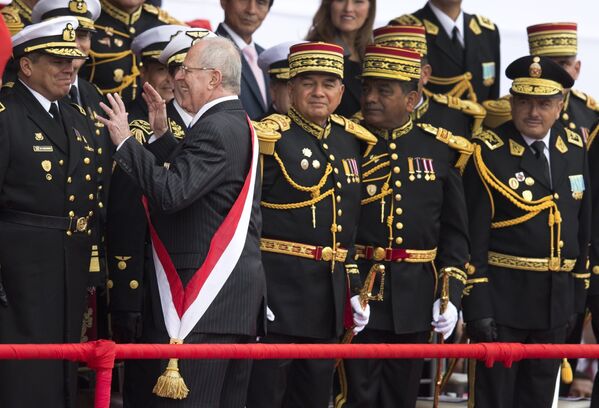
536	87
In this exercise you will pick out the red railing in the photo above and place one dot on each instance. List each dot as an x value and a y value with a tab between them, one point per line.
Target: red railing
100	355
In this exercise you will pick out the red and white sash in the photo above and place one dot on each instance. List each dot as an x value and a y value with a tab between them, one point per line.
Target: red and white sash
183	307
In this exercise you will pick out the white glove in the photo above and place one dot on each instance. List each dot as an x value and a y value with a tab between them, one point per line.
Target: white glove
270	316
361	316
445	323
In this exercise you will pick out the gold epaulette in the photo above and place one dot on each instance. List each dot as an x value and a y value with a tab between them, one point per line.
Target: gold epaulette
470	108
485	22
162	15
574	138
499	111
455	142
141	130
590	101
406	19
359	131
592	135
269	131
2	107
12	19
490	138
357	117
79	108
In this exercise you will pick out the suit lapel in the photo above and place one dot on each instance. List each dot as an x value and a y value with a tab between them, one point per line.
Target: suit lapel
442	40
559	164
472	57
41	118
73	136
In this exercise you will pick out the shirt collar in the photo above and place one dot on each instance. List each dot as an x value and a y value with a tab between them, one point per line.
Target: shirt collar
447	23
529	140
236	38
210	105
40	98
185	116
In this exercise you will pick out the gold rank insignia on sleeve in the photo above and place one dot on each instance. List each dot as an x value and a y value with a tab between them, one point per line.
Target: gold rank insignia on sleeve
141	130
490	138
516	149
574	138
431	28
359	131
485	22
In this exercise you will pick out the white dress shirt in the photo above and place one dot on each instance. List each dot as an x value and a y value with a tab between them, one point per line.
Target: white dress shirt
448	24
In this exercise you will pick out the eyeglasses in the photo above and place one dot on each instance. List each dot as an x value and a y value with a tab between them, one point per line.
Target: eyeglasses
187	69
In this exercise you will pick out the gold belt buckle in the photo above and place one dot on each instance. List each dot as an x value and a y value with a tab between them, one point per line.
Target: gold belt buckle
554	264
81	225
327	254
378	254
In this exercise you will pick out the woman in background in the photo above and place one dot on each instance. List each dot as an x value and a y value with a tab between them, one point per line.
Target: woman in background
349	24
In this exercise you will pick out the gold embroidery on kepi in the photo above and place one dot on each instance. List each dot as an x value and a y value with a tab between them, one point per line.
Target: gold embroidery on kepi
537	76
408	37
391	63
553	39
315	57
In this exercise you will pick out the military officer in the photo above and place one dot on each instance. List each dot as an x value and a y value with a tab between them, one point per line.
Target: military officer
17	14
413	220
273	62
310	205
460	116
47	207
463	50
559	42
529	229
113	66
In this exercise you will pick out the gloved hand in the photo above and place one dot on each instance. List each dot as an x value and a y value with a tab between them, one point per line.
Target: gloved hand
482	330
444	323
126	326
270	316
361	316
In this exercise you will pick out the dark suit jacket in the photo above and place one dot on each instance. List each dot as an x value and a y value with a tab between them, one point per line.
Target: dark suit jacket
250	95
190	200
530	300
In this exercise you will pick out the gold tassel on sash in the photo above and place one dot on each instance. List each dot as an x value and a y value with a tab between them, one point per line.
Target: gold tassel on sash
170	384
566	372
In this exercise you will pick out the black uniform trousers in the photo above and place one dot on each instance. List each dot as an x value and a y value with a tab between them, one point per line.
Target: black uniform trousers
383	383
291	383
528	383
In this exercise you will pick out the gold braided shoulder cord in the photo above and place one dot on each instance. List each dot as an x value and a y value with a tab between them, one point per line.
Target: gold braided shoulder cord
374	159
375	169
462	84
111	57
533	208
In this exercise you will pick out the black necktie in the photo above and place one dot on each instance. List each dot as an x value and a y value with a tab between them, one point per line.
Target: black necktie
457	45
539	149
55	113
74	94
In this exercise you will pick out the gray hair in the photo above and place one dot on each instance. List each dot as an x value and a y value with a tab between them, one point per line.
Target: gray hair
222	54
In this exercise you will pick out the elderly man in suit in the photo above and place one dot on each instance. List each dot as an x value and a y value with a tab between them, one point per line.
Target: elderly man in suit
242	19
203	213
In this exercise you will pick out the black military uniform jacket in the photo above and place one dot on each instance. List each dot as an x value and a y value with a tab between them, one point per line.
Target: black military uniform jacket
310	197
459	116
529	240
17	15
413	205
112	65
593	149
127	226
46	170
481	39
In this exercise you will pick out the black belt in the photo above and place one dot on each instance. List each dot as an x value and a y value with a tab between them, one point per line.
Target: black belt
70	224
